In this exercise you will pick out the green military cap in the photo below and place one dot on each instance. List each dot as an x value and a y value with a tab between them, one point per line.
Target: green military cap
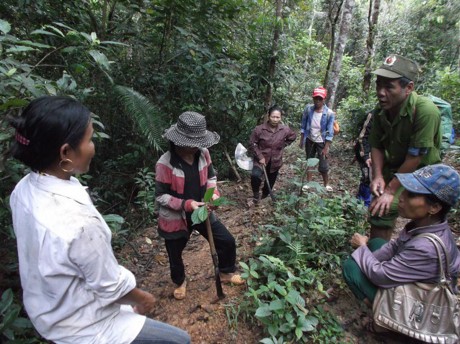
396	66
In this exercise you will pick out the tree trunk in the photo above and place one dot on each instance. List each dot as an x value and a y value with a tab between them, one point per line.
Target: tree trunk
333	14
345	24
272	63
372	19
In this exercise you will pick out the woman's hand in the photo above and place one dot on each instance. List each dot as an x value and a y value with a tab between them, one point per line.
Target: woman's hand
358	240
146	303
262	161
141	301
196	205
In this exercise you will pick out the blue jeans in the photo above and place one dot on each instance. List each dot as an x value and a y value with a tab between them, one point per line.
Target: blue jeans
156	332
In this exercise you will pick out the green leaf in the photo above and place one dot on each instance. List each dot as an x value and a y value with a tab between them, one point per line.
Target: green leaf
100	59
267	341
5	27
244	265
11	72
293	297
202	213
19	49
199	215
115	43
35	44
208	195
280	289
298	333
312	162
263	311
43	32
113	218
276	305
7	300
15	102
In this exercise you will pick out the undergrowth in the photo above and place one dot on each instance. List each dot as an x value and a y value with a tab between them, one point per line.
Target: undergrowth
299	254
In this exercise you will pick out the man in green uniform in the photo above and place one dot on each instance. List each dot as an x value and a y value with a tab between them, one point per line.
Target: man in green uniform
405	136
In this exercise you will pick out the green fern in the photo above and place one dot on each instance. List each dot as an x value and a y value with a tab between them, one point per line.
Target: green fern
147	117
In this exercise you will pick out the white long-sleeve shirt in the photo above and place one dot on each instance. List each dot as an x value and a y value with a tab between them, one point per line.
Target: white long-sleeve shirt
70	277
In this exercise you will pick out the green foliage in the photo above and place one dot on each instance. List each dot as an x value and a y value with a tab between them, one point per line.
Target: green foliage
13	327
300	252
149	119
200	214
145	182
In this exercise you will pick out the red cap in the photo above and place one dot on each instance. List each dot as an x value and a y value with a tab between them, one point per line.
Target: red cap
320	92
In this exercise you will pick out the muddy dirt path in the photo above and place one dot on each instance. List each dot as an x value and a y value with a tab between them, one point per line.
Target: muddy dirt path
213	323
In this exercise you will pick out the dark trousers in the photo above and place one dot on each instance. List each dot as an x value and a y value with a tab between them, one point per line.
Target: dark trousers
225	247
257	176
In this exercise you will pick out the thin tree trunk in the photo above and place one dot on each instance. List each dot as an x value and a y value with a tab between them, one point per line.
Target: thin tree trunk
347	15
272	63
333	20
232	165
372	19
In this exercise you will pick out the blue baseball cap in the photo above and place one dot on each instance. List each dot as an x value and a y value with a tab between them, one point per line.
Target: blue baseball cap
439	180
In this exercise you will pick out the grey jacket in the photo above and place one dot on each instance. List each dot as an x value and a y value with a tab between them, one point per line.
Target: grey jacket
407	260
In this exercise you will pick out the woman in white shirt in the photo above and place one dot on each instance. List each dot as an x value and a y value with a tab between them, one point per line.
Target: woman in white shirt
74	291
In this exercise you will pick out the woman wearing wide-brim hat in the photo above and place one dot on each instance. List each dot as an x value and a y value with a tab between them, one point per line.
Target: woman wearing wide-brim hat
183	174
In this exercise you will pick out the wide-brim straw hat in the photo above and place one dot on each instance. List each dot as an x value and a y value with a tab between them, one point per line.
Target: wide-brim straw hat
190	131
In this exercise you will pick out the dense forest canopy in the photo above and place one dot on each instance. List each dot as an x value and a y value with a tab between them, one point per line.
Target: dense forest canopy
137	64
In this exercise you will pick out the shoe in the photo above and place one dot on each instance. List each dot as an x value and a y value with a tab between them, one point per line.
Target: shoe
231	278
181	291
329	188
306	187
252	202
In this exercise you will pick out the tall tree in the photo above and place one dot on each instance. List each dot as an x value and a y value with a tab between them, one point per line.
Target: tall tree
272	62
372	19
333	14
345	23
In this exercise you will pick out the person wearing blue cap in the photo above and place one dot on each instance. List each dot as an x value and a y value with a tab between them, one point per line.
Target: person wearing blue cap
429	194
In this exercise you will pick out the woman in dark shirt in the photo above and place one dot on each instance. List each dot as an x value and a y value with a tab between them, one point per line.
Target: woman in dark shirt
267	143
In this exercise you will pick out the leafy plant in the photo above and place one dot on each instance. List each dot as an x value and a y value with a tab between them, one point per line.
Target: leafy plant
148	117
300	250
13	327
200	214
145	181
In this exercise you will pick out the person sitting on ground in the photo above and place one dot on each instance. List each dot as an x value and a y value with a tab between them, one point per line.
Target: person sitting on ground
267	144
183	174
74	291
316	133
429	194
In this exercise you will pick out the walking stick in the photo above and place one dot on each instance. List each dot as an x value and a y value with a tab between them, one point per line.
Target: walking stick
215	260
268	184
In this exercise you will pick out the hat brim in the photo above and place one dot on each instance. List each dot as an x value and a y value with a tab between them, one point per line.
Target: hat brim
181	140
412	184
387	73
318	95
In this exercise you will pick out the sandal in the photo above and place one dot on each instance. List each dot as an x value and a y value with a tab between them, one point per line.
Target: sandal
181	291
252	202
231	279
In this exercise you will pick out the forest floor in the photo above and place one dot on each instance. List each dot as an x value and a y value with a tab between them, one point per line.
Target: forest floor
212	323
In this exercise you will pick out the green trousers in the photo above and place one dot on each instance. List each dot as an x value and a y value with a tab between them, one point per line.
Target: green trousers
358	283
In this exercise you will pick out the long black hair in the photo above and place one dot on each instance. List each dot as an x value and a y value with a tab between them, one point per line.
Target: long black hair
44	126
